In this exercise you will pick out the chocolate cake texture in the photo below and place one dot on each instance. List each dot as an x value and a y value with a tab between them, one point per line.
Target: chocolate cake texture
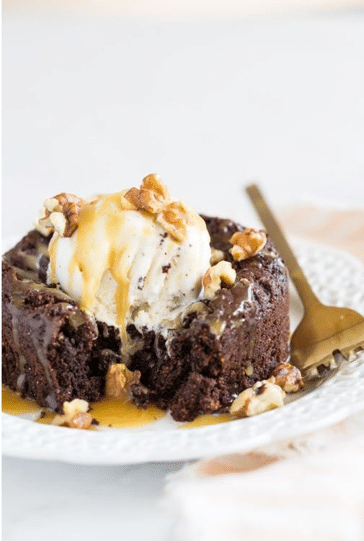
54	352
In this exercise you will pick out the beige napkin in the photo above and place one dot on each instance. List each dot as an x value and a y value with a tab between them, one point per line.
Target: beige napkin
306	489
310	489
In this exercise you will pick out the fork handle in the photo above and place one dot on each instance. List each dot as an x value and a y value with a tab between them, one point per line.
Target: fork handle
303	287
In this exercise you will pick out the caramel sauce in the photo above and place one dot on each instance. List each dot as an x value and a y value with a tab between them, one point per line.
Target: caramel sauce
99	219
15	405
111	413
46	417
207	420
52	254
118	414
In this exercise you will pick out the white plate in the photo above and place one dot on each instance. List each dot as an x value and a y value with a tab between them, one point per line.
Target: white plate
338	279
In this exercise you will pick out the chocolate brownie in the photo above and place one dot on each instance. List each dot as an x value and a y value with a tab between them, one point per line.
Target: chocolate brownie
226	344
52	351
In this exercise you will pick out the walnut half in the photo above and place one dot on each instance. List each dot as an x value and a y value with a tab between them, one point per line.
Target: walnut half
263	396
61	214
288	377
247	243
153	197
214	276
119	381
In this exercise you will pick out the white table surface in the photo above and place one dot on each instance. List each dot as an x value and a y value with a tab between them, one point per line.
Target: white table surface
95	105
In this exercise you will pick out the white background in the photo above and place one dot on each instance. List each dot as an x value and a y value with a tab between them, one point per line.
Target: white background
94	105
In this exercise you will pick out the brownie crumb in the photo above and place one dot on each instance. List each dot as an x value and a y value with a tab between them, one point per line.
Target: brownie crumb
141	282
165	268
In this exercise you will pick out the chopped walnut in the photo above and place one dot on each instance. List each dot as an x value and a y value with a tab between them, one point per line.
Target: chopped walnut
75	415
61	214
155	184
216	256
153	197
247	243
263	396
214	276
288	377
174	218
126	204
144	200
119	381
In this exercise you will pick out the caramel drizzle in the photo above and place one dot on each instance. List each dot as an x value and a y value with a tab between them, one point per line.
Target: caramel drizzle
93	260
94	266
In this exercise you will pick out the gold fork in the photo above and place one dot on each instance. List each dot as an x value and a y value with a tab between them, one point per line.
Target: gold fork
323	329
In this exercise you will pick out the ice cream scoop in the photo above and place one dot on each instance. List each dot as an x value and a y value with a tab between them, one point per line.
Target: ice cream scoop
134	257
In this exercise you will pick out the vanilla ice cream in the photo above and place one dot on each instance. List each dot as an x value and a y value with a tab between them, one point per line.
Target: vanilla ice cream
135	257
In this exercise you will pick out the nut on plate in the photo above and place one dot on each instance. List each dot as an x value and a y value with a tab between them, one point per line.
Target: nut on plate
119	381
214	276
288	377
263	396
61	214
75	415
247	243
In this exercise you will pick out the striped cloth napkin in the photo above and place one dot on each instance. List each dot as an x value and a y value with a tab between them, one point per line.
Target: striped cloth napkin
309	488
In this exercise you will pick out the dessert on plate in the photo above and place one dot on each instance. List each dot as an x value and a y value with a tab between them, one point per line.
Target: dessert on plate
136	296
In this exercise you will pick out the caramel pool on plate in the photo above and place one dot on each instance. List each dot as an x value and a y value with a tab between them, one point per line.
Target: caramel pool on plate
15	405
110	413
117	414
